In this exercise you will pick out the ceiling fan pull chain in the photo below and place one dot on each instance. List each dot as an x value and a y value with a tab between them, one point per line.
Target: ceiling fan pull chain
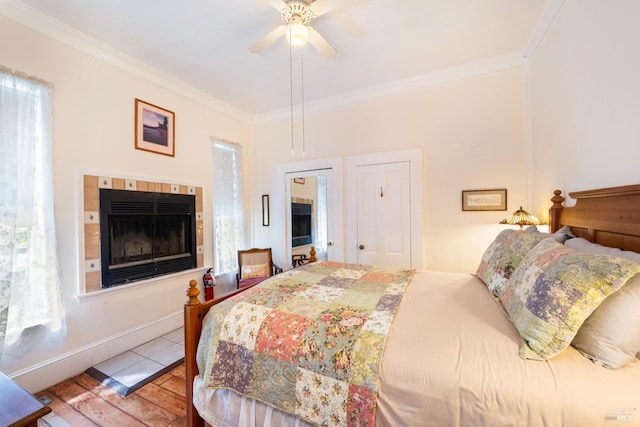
302	87
291	89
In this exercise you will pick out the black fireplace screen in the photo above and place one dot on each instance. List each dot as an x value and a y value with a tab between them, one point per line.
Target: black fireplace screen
135	238
145	235
301	227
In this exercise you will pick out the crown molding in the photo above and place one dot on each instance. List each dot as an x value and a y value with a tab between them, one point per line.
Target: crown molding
548	16
41	23
436	78
56	30
444	76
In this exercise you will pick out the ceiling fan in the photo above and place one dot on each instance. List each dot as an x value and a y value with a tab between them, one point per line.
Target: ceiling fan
296	14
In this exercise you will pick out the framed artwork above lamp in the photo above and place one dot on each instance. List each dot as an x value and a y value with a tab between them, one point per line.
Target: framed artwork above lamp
484	200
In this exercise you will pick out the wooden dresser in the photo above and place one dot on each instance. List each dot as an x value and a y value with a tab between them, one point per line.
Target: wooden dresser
17	406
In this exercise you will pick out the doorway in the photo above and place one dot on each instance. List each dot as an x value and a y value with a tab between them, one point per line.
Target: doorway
308	206
313	200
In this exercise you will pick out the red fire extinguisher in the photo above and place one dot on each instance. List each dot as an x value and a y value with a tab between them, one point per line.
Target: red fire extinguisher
209	282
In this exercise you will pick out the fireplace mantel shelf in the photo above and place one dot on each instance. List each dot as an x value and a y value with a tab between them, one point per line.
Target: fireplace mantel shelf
179	279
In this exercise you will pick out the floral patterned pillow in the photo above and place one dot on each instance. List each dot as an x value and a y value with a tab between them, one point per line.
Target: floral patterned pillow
255	271
504	255
554	289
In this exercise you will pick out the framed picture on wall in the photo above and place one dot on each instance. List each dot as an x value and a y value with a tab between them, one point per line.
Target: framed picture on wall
155	129
484	200
265	210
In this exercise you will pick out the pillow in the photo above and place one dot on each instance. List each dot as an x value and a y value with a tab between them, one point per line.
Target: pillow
503	255
553	291
561	235
584	245
619	345
254	271
610	337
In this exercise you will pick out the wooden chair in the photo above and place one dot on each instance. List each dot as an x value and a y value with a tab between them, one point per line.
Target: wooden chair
254	266
301	259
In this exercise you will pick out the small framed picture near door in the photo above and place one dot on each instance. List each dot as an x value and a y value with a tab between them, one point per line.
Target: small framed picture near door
155	129
484	200
265	210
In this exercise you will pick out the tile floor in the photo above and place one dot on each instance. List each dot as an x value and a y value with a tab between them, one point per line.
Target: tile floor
132	369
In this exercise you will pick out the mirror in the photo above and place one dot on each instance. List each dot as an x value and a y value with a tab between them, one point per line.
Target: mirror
308	219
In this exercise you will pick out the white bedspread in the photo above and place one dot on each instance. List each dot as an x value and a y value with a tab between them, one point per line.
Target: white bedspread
452	360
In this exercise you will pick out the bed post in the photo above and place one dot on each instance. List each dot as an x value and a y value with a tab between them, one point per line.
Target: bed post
555	211
192	327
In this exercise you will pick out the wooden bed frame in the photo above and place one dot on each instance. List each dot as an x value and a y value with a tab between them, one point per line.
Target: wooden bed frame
194	312
610	217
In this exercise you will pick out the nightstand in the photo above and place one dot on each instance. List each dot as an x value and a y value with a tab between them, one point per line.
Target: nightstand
17	406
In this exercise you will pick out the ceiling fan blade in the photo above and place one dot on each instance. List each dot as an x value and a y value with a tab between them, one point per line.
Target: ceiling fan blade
321	44
320	7
268	39
277	4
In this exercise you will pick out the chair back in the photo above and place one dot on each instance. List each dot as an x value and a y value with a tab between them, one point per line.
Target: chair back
254	263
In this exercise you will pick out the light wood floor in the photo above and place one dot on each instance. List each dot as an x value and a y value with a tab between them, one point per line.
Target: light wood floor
83	401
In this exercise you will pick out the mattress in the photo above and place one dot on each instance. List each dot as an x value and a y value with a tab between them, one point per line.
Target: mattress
451	359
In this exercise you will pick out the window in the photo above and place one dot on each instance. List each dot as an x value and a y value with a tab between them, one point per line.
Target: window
228	206
30	291
321	236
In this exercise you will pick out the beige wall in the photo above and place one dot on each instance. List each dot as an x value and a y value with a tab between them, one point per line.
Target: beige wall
94	130
584	91
472	137
518	129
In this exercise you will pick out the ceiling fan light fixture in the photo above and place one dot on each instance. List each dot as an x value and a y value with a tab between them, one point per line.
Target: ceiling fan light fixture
297	34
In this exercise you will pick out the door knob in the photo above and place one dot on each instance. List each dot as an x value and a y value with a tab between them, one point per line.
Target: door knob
361	247
329	243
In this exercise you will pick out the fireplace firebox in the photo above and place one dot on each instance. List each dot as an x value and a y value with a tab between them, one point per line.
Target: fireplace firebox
145	235
301	227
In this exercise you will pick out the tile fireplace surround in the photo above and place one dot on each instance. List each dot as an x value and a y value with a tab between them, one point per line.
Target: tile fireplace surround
92	185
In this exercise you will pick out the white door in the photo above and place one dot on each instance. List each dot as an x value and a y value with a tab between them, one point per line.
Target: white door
384	214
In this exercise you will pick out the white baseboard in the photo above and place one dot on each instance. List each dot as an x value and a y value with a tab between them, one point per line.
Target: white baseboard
60	368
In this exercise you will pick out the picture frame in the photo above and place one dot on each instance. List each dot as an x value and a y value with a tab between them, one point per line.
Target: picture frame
298	180
265	210
154	129
484	200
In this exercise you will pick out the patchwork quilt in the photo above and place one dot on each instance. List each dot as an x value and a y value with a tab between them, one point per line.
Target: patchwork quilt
308	341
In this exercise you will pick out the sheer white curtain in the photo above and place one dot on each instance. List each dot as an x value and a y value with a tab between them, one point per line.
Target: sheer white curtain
321	190
30	291
228	206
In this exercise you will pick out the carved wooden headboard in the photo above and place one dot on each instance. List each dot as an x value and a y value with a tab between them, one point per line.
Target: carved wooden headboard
608	216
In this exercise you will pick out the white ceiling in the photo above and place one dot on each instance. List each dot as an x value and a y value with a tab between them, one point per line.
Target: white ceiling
204	43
